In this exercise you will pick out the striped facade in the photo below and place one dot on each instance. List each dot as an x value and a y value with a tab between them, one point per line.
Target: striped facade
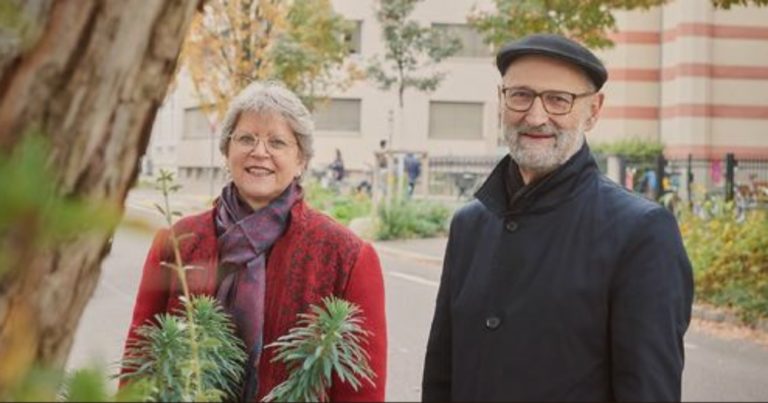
692	77
685	74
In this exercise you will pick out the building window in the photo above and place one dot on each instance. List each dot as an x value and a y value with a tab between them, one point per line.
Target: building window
353	38
196	124
338	115
455	120
471	41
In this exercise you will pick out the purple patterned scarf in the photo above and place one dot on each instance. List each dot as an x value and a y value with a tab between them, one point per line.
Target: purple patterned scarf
245	237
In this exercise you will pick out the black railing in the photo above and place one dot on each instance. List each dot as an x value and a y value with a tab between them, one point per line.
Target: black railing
459	176
729	177
742	179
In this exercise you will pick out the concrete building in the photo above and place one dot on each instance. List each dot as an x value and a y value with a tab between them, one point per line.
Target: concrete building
690	76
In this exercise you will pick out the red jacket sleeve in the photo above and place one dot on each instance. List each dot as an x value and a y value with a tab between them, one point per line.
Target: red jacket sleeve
366	289
154	288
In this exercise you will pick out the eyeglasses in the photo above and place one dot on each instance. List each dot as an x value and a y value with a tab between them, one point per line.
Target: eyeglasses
554	102
275	145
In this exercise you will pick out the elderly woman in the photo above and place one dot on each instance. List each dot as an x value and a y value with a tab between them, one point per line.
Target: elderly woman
266	254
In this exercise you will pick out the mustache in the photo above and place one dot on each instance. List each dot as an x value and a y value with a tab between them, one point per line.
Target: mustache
544	128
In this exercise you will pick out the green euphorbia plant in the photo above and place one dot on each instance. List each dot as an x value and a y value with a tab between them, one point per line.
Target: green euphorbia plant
191	354
327	341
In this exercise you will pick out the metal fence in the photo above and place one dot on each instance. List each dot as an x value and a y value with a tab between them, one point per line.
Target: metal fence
458	176
742	179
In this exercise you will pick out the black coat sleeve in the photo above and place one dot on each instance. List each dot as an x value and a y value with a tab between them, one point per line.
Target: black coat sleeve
650	305
436	381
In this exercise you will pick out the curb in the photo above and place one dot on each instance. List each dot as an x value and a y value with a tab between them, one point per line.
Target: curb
715	314
437	261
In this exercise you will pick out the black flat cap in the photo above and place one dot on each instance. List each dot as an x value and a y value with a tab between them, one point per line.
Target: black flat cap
555	46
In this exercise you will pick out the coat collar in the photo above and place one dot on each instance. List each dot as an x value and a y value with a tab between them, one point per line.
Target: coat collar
559	186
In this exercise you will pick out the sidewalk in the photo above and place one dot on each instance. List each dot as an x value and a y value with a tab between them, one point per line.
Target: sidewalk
140	210
144	199
429	250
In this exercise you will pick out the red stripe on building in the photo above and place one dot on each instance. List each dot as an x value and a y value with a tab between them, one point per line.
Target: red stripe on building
686	110
738	32
636	37
690	70
631	74
630	112
691	29
715	111
740	72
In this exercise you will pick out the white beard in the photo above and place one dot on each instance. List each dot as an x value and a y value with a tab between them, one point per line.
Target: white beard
542	159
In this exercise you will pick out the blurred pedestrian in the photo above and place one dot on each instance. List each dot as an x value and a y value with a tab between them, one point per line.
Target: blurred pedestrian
557	284
337	167
413	170
382	167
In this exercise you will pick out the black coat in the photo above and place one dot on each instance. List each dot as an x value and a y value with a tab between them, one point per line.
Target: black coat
580	290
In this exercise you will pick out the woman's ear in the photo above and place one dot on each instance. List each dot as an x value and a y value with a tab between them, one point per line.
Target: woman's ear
302	169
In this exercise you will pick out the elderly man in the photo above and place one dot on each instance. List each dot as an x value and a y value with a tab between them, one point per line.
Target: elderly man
557	285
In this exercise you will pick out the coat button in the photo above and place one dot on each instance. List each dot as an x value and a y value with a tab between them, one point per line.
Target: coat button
492	323
511	226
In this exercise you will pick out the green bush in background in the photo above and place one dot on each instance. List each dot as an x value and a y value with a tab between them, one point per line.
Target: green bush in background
399	219
411	219
729	257
633	148
341	207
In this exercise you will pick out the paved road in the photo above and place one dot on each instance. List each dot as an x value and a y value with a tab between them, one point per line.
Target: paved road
716	369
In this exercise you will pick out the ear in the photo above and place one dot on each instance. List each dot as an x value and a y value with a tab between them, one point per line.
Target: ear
501	110
302	168
595	107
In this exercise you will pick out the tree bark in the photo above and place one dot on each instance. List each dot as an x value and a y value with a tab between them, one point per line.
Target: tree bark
89	75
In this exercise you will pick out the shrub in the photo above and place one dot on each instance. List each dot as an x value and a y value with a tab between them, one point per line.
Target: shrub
164	359
411	219
342	208
316	195
729	257
633	148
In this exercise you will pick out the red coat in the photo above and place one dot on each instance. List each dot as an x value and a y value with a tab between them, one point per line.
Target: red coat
314	258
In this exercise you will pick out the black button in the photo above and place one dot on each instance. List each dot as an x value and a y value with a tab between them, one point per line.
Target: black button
511	226
492	322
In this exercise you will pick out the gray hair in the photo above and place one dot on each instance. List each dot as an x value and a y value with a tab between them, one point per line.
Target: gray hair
271	96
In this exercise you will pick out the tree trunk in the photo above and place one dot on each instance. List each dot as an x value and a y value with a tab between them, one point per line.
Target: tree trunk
89	75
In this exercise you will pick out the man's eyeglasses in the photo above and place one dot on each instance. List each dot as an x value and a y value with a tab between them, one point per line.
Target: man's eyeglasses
555	102
273	144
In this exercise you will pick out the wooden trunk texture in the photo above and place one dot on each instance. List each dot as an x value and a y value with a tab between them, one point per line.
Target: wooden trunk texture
89	75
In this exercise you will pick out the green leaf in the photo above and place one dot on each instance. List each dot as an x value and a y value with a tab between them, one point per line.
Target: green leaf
320	347
409	50
589	22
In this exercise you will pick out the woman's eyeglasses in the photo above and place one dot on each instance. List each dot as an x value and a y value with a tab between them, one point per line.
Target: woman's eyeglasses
273	144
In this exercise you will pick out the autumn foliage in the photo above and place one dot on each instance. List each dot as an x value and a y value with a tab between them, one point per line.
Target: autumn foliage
302	43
